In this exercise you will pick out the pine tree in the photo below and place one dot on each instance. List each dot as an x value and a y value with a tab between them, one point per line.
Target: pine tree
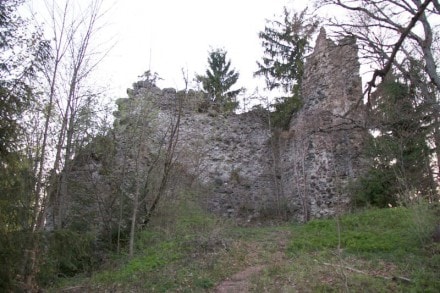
22	53
219	80
286	43
399	151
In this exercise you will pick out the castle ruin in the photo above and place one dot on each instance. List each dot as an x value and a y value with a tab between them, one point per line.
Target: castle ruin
252	171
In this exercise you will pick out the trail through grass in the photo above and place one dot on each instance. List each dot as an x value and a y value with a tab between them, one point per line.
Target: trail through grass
388	250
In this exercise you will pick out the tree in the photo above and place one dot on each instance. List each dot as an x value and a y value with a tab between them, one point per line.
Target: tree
19	60
68	104
398	37
286	44
63	82
23	52
389	28
77	97
46	113
219	80
399	152
150	154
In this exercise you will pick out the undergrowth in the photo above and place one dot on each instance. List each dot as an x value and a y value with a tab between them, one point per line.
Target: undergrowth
183	249
186	249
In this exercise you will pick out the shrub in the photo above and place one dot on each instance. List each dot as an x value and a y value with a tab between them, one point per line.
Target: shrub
65	254
375	188
284	109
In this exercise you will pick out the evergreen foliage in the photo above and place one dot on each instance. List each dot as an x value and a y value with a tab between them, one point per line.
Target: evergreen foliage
16	186
399	151
284	109
219	79
149	77
22	53
64	253
70	253
286	43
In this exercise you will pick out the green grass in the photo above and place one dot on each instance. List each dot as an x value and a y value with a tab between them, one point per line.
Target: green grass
150	259
378	231
185	249
374	247
188	250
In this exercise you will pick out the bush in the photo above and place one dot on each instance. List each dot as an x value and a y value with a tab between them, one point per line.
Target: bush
66	253
284	109
375	188
12	248
62	253
169	251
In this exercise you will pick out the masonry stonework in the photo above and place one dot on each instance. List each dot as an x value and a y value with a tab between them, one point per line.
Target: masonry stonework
302	173
322	154
254	172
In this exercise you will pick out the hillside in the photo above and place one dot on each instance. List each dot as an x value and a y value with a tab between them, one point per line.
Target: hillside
325	178
196	199
388	250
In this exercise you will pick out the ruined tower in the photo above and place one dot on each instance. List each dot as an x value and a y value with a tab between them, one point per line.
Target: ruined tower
322	154
250	172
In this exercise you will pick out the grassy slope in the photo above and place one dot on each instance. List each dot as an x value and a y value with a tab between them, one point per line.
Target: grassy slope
378	250
188	251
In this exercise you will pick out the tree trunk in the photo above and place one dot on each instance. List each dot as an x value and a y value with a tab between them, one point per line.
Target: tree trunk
133	220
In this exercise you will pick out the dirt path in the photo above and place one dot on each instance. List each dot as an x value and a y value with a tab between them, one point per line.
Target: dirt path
241	281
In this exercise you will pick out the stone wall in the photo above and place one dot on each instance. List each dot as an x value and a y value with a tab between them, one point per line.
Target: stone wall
302	173
251	171
322	152
229	153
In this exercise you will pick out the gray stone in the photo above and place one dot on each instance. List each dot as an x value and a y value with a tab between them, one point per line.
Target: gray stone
251	168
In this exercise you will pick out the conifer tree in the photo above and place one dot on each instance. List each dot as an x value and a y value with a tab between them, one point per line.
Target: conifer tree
399	151
219	79
22	52
286	43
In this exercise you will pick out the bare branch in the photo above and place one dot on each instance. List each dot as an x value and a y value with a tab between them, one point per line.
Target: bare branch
394	278
382	72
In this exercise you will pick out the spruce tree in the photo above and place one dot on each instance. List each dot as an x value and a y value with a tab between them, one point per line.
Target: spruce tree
399	151
219	79
286	44
22	53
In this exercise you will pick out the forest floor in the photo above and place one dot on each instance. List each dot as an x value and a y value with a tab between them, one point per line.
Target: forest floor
387	250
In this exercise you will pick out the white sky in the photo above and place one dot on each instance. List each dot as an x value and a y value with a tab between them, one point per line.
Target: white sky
168	35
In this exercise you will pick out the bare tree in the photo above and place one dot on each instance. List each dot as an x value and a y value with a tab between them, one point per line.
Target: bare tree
398	37
149	138
73	59
81	61
386	28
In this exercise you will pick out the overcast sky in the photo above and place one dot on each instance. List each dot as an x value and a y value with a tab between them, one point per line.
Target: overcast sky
168	35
